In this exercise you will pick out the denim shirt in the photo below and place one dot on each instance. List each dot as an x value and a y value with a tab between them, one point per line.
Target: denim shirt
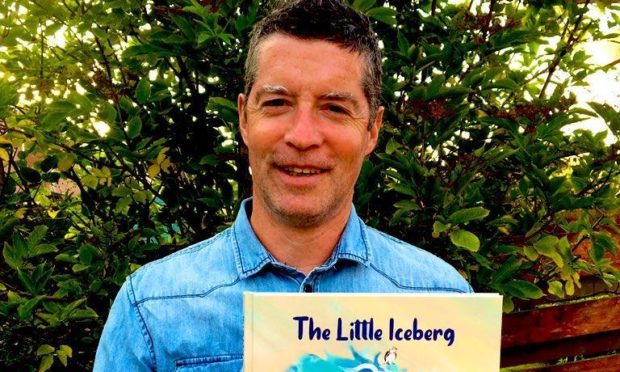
185	312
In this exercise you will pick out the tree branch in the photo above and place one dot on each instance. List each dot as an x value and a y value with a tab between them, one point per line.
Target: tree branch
563	50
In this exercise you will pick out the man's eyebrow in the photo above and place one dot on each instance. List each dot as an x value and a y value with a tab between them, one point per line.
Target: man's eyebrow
271	89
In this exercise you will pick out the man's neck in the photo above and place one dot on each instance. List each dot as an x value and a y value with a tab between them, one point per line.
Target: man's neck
303	248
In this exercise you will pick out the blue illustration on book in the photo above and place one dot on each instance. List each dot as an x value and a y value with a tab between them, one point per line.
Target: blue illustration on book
358	363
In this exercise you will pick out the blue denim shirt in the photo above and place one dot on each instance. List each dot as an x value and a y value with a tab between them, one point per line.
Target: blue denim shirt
185	312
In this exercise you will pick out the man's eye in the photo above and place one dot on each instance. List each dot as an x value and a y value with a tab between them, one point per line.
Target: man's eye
275	102
336	109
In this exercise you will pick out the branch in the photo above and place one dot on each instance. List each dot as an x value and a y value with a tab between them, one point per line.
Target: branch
71	150
68	7
23	181
119	63
486	28
2	179
563	50
188	79
106	63
42	57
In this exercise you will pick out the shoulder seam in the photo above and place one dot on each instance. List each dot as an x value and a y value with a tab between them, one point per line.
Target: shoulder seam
145	330
202	294
429	289
187	250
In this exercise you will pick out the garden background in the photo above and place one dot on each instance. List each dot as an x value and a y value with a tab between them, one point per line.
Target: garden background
119	145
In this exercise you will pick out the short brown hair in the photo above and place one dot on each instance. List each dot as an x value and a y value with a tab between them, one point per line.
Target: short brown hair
329	20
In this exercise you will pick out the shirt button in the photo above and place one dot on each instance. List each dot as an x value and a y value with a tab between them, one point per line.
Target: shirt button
308	288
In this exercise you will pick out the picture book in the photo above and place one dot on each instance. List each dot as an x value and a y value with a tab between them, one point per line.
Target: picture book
323	332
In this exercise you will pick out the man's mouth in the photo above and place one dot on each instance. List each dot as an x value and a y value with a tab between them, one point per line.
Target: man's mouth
301	172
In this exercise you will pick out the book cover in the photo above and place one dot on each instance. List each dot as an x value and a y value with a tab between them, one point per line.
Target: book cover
293	332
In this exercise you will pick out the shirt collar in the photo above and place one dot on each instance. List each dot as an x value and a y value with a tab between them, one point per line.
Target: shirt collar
251	256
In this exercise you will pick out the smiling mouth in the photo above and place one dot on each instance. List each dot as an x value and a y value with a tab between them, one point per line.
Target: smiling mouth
301	172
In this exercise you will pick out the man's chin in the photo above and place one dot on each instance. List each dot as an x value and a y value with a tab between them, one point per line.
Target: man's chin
301	212
301	217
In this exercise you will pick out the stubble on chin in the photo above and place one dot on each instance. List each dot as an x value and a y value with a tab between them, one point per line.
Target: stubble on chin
277	207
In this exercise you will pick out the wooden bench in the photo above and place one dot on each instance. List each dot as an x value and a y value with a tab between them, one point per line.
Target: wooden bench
583	336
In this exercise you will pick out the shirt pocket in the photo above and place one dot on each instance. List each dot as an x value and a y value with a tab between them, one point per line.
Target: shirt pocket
223	363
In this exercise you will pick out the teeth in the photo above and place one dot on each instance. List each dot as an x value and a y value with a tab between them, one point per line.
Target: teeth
300	171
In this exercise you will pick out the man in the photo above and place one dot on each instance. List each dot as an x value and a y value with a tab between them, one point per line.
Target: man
309	116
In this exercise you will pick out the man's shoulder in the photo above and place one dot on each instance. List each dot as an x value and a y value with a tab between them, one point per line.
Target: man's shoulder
411	267
192	271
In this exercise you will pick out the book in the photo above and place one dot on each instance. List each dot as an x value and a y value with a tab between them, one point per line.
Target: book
295	332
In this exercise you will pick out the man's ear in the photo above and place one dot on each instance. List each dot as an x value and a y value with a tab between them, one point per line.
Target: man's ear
373	132
243	124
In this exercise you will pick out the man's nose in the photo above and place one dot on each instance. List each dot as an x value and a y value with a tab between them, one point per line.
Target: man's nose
304	131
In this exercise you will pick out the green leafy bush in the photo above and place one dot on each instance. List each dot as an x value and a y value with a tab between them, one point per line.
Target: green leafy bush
120	145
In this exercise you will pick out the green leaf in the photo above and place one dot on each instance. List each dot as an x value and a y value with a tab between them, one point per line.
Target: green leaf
8	95
611	116
31	175
383	14
503	84
134	127
79	268
185	26
90	181
24	310
403	44
507	304
87	252
108	113
217	103
468	214
506	270
392	146
122	204
37	234
67	350
439	227
13	256
403	189
465	239
45	349
64	257
531	253
46	363
143	90
453	92
548	246
43	249
556	288
407	205
51	121
606	242
435	85
86	313
210	160
523	289
363	5
61	106
26	281
62	357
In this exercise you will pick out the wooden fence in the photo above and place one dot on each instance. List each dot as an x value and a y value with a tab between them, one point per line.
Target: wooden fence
584	336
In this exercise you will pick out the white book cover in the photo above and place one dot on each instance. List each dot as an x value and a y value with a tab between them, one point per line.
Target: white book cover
323	332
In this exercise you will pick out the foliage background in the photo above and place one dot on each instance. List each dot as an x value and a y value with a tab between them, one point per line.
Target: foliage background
120	145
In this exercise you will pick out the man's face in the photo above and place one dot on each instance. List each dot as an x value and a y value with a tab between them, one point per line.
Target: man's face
305	123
